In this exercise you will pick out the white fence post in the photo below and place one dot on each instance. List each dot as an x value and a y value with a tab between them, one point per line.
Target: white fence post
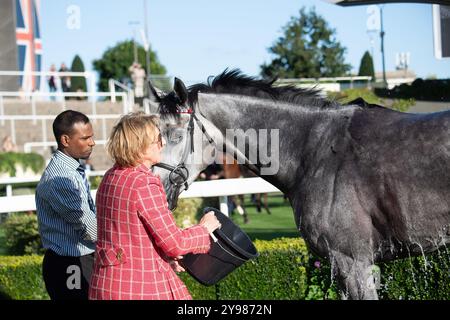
112	89
9	190
94	110
13	131
2	110
224	205
104	129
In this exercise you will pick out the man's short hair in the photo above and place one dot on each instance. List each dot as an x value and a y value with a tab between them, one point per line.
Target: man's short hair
63	123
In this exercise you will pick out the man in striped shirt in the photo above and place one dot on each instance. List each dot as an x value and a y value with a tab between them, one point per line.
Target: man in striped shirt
66	211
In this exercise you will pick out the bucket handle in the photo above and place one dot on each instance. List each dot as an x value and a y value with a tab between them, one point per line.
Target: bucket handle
230	253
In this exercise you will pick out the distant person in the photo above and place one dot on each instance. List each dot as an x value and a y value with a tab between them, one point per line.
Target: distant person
213	171
52	82
232	170
66	211
8	145
138	77
65	80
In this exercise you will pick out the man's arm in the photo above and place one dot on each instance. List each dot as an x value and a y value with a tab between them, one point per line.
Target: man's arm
71	202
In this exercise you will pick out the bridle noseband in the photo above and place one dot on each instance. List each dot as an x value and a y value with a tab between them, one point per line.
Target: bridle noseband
180	170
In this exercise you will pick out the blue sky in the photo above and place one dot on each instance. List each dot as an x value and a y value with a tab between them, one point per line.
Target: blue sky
198	38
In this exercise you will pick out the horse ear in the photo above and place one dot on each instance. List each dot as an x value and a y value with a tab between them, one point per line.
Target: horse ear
180	90
152	92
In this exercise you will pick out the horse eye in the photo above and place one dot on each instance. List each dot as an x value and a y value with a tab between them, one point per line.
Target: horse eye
175	136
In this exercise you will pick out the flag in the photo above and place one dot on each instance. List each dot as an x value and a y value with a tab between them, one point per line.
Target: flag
29	44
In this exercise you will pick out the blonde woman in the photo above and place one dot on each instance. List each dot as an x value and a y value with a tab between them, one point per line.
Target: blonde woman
138	241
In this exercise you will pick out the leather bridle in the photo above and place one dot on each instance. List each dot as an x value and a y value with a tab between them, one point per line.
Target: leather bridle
180	170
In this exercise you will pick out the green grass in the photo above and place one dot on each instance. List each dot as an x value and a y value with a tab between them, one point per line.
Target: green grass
264	226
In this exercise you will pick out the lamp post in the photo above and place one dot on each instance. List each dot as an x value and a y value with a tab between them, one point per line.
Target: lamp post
382	33
147	44
135	51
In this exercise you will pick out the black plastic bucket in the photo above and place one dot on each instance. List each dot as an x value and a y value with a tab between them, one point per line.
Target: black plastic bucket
232	248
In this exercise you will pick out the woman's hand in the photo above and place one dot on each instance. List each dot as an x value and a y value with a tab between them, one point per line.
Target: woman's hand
210	222
175	264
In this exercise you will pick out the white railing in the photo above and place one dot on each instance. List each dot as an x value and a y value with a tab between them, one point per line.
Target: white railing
215	188
32	96
90	77
328	81
11	181
112	88
44	143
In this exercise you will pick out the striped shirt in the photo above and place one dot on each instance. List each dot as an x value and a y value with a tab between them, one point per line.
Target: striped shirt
65	209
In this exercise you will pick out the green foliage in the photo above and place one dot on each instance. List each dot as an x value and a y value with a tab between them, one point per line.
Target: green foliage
10	160
21	278
284	270
366	67
95	182
419	278
307	49
279	273
402	105
77	83
116	61
22	235
348	95
429	90
186	212
369	96
321	286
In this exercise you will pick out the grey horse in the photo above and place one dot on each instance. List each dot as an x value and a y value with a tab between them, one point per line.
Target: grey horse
367	184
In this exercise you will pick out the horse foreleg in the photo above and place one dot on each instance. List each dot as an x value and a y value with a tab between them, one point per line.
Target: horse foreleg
357	279
266	203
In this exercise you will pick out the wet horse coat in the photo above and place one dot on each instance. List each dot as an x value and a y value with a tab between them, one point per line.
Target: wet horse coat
367	184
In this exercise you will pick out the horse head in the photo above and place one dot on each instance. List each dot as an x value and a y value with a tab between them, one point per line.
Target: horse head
189	147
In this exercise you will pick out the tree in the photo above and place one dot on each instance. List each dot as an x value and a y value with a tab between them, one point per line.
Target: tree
308	49
77	83
116	60
366	66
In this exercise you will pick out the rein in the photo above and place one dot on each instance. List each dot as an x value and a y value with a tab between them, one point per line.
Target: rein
180	170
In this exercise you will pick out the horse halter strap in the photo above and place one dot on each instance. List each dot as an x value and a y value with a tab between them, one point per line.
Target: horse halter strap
181	169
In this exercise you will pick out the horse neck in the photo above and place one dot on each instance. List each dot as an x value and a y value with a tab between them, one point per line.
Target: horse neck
296	125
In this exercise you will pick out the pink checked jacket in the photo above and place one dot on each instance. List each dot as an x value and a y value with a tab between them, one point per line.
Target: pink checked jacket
136	235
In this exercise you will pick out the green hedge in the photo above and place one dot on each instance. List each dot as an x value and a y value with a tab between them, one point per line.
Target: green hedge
429	89
419	278
9	161
22	235
279	272
21	277
284	270
346	96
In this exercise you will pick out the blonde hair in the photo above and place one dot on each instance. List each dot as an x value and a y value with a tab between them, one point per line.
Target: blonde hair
131	136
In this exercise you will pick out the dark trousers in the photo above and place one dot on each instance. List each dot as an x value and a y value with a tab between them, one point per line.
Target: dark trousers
67	278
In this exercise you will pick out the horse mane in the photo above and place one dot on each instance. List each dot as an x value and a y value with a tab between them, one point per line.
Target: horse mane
235	82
